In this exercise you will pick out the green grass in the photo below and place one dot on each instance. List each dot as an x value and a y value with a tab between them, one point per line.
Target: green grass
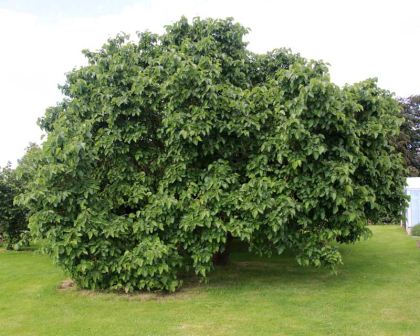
376	292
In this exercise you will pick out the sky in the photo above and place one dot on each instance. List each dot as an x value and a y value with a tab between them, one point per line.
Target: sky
42	40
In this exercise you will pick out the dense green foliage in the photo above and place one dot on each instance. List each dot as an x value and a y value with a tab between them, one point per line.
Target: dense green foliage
13	182
13	220
408	141
166	147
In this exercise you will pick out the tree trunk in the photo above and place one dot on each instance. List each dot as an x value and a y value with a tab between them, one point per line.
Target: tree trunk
222	258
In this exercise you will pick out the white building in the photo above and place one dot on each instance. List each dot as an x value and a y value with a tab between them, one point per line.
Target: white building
413	210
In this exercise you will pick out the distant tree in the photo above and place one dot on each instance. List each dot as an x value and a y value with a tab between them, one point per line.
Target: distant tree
14	217
167	148
13	220
408	141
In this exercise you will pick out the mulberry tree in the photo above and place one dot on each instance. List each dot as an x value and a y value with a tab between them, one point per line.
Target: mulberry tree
167	148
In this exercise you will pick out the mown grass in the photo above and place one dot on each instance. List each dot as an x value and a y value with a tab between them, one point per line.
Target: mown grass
376	292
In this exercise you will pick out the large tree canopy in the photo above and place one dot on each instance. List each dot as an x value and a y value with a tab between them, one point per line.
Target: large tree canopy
168	147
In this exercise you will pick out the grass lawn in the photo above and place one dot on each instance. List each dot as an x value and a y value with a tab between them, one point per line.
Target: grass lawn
376	292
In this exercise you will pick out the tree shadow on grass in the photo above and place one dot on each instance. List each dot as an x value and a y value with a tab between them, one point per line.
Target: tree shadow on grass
247	270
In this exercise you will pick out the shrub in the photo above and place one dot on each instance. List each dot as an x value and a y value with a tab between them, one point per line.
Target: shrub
415	231
167	148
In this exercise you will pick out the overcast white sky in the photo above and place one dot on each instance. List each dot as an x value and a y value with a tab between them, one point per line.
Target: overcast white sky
41	40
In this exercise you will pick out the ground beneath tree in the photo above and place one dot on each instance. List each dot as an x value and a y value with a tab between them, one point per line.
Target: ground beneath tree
376	292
